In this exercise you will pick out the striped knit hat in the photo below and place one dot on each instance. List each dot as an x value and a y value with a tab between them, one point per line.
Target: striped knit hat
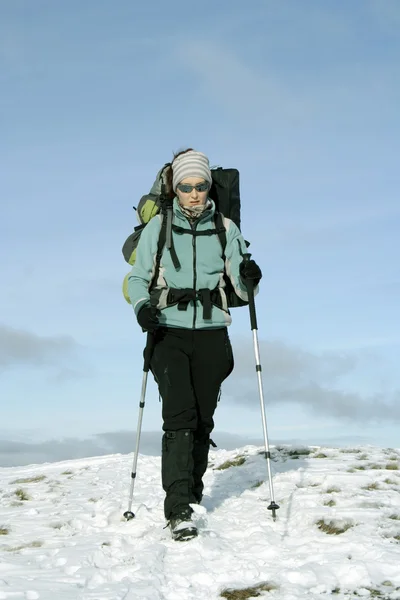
190	164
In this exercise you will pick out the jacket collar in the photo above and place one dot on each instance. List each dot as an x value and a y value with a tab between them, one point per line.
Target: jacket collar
207	214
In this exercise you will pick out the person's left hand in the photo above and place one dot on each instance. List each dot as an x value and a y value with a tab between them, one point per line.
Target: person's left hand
250	272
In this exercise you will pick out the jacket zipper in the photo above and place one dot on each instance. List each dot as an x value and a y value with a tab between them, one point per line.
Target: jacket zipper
193	226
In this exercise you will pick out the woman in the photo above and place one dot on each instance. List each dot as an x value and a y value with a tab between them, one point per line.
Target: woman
192	353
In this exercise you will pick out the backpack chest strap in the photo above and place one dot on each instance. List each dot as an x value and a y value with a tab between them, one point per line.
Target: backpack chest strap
196	232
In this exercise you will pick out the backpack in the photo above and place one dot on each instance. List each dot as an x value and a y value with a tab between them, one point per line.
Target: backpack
226	194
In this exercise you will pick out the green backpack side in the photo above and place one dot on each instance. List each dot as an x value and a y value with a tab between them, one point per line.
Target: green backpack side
149	206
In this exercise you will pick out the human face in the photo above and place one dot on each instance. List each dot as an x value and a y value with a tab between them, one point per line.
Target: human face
193	198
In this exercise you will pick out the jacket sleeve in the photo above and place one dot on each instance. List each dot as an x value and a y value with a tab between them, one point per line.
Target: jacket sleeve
235	248
142	271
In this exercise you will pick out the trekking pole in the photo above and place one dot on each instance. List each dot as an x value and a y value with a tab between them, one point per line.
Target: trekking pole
148	352
253	322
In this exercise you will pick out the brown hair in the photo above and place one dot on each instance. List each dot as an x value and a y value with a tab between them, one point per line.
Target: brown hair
169	173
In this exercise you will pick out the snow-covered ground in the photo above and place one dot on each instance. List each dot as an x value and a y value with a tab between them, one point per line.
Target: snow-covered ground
63	537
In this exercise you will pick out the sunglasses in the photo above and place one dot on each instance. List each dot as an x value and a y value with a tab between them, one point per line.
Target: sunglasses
187	189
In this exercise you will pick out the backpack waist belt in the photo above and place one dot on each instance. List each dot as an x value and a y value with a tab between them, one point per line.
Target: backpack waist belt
207	297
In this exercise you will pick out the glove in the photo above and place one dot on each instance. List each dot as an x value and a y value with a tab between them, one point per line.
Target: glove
250	272
147	319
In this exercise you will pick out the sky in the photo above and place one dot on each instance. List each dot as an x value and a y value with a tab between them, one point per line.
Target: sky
303	99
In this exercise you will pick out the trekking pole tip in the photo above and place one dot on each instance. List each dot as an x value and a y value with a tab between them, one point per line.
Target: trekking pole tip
129	515
273	507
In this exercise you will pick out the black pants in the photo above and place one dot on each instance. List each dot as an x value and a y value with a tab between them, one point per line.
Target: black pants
189	367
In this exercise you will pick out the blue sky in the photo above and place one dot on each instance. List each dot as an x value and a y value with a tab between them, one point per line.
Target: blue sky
303	99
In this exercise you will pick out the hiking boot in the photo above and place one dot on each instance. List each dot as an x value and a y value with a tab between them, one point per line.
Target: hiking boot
182	526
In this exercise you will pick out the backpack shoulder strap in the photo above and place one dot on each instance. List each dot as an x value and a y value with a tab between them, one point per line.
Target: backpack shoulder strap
162	238
221	231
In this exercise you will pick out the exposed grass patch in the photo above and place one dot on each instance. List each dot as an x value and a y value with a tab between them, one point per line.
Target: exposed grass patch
371	486
392	466
22	495
106	544
350	451
4	530
397	537
395	517
296	453
257	484
34	479
320	455
35	544
67	473
374	466
359	467
93	500
300	451
56	525
362	457
390	481
236	462
332	489
330	503
350	471
250	592
296	450
332	528
372	592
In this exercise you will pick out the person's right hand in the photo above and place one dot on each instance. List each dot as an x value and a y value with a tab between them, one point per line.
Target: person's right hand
147	319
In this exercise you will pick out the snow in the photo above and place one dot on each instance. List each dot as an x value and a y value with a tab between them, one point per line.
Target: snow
68	539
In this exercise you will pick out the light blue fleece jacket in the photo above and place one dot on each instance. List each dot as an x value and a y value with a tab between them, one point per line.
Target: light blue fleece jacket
202	266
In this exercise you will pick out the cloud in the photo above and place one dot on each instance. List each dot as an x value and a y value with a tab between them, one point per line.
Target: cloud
234	85
279	101
19	347
17	453
294	376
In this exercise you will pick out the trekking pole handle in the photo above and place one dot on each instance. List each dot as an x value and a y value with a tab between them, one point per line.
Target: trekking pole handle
250	293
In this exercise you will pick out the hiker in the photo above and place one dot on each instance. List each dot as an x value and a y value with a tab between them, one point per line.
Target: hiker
192	353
